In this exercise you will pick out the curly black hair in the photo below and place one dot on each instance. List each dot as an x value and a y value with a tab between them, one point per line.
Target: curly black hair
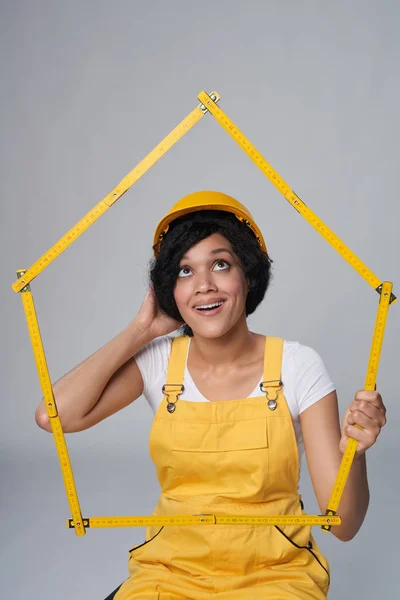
190	229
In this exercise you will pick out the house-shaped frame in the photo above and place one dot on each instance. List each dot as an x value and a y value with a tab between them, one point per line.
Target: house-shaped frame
208	104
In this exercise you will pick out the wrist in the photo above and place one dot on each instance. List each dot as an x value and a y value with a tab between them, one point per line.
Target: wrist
139	334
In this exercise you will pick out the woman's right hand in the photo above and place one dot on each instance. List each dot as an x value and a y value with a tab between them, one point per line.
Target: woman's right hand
152	320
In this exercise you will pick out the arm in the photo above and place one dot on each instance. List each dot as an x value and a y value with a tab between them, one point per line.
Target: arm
109	379
321	435
102	384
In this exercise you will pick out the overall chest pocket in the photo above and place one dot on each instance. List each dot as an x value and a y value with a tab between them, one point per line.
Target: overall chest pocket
234	436
227	459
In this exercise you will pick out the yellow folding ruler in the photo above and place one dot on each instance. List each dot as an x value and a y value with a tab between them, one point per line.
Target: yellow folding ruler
209	519
289	194
24	277
370	383
123	186
383	288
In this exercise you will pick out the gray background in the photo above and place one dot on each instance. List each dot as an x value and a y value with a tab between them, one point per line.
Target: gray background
88	89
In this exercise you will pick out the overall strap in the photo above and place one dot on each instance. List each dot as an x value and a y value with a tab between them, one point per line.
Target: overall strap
176	369
272	383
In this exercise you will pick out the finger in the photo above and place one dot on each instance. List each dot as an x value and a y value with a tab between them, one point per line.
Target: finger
366	408
362	420
369	396
365	439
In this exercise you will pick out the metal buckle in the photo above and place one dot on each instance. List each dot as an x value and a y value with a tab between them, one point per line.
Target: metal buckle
171	405
272	402
164	391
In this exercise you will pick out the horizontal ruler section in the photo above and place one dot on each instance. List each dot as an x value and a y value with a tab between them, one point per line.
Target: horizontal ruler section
208	519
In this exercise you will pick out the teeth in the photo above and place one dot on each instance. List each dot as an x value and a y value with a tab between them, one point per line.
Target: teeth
209	305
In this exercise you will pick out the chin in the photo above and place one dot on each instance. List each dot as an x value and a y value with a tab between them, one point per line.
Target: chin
210	332
209	335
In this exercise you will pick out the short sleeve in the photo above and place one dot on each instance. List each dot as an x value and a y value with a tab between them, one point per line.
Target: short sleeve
152	360
312	380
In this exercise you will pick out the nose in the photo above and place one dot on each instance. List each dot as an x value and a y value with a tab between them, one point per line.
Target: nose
205	282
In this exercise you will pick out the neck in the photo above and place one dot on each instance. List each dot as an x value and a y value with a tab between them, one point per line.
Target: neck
224	351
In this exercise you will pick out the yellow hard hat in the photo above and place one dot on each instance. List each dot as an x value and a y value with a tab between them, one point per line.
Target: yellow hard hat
206	201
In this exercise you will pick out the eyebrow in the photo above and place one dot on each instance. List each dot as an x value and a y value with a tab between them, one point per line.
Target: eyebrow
216	251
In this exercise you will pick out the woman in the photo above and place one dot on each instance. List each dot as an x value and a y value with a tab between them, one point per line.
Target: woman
233	410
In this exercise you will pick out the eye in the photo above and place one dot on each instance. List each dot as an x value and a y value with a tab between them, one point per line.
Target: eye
221	263
182	272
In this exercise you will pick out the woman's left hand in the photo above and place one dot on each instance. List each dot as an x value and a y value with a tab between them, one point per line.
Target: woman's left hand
368	411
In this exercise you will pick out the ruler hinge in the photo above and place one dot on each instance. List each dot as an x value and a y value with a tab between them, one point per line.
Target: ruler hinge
379	290
214	97
85	523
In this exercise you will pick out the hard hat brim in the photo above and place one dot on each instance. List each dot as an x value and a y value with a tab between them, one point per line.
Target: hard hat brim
206	201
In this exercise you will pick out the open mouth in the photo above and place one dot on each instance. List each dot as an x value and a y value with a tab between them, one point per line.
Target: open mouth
209	309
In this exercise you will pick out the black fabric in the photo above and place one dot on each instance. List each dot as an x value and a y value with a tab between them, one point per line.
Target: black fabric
111	596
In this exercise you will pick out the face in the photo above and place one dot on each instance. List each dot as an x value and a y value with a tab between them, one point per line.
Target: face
211	287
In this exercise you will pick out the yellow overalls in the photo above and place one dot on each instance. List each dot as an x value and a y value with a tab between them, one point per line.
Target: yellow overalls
234	457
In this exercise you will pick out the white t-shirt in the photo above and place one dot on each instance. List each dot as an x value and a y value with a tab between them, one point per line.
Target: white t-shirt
304	377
